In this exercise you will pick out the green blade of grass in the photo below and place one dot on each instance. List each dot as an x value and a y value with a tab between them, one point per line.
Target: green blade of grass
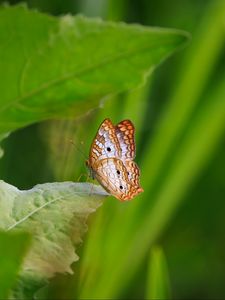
13	248
200	61
158	284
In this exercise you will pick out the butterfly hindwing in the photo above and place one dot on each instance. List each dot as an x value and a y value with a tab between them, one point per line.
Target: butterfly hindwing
112	174
133	172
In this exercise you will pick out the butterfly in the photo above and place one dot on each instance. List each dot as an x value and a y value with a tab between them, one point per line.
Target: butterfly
111	160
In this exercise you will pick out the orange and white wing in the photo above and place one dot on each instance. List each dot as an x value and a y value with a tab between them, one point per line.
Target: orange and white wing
133	172
112	174
125	134
105	143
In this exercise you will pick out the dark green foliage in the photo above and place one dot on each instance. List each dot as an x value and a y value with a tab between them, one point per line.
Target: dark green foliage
13	247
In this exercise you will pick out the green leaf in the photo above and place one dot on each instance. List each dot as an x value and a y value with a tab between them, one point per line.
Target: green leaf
158	286
64	66
55	215
12	250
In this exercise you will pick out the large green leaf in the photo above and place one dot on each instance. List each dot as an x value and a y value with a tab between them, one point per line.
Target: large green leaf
53	67
55	214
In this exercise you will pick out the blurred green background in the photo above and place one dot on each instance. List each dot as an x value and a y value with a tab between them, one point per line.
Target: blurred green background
180	119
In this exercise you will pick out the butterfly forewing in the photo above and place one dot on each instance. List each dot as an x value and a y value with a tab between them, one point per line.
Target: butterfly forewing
105	144
125	135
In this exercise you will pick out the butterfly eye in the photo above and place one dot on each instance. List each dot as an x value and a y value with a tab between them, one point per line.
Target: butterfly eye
128	173
118	172
108	149
121	187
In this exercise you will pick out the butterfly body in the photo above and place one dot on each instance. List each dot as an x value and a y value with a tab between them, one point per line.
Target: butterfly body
111	159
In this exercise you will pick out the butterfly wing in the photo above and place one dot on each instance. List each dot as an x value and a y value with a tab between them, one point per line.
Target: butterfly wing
125	134
111	159
133	172
112	174
105	143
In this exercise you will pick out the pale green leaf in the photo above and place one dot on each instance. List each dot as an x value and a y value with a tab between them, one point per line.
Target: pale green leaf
55	215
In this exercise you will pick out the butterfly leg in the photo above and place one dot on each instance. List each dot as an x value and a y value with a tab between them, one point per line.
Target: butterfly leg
85	175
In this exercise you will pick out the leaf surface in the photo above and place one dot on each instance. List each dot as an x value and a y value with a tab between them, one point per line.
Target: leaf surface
55	215
62	67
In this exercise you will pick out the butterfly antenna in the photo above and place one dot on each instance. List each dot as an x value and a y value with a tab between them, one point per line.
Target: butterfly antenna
78	148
